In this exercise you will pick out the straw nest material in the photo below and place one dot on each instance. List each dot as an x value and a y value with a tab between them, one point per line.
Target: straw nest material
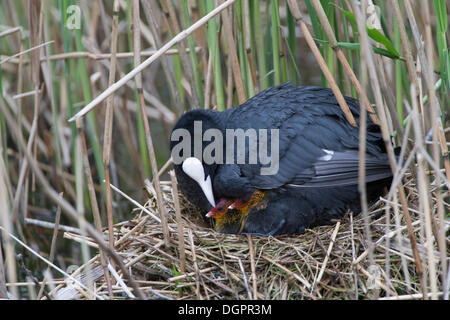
327	262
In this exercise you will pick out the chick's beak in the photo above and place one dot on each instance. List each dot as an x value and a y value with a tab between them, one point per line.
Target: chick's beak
220	209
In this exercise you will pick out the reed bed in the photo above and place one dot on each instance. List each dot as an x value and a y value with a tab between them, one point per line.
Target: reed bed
90	91
328	262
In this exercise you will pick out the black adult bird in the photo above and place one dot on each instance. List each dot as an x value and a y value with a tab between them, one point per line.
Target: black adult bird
315	179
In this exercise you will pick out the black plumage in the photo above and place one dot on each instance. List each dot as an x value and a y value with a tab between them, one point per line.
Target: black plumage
317	179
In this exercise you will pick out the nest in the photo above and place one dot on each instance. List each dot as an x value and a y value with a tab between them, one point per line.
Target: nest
327	262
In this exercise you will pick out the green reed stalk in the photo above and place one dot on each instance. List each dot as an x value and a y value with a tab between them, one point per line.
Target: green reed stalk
192	54
398	75
260	49
329	52
348	52
294	75
275	42
442	46
214	53
90	119
69	65
240	41
318	34
178	72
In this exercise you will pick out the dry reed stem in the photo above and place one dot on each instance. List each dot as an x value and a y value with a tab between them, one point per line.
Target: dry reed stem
148	135
165	167
234	61
120	281
244	277
352	235
423	193
363	133
179	221
407	51
50	225
194	260
230	86
208	82
325	261
410	296
86	54
398	238
6	59
253	267
24	94
95	207
107	136
80	155
52	249
394	121
136	203
20	82
418	42
10	31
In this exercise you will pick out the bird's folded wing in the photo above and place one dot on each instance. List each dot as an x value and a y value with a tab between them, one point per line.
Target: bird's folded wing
342	169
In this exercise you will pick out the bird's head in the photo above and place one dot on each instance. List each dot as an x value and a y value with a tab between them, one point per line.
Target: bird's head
195	176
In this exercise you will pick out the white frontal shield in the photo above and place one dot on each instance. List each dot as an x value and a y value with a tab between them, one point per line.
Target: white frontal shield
194	169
